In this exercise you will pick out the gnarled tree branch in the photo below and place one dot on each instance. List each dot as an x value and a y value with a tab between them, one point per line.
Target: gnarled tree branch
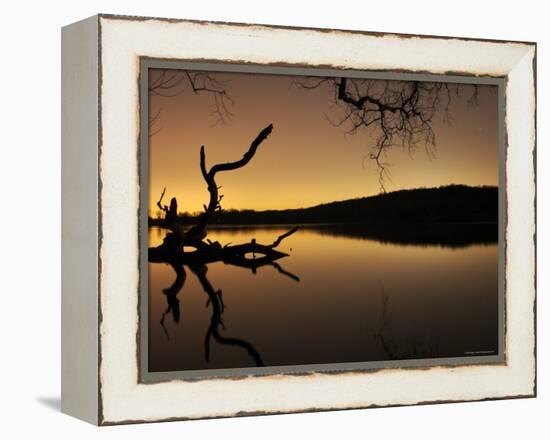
199	231
159	201
206	252
396	113
169	83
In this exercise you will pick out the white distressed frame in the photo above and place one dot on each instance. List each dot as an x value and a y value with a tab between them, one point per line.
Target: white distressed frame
122	41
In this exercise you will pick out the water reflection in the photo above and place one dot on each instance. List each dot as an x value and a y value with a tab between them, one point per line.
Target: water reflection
173	304
355	299
446	235
404	348
215	303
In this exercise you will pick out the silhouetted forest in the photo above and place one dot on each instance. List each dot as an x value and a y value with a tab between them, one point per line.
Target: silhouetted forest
445	204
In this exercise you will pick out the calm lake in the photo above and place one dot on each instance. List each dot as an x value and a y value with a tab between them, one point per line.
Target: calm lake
337	297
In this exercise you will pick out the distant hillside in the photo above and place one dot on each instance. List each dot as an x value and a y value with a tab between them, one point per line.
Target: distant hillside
446	204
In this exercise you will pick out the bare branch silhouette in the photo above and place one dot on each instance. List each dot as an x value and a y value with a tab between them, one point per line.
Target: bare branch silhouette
399	348
170	83
282	237
216	301
173	304
396	113
159	202
154	126
285	272
198	232
172	248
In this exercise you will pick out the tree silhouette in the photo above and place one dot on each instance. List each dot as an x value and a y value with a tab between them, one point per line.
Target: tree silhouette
395	113
170	83
205	251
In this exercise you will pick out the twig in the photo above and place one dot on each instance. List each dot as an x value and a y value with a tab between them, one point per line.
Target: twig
284	272
159	203
282	237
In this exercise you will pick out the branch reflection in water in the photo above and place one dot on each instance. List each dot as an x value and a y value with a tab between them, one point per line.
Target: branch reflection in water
215	303
442	303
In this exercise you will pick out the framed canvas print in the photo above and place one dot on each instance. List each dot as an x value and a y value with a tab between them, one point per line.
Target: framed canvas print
262	220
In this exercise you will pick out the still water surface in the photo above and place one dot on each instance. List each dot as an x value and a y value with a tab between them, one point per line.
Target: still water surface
336	298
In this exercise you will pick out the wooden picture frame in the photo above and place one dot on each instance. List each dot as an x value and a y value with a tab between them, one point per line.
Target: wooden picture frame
103	163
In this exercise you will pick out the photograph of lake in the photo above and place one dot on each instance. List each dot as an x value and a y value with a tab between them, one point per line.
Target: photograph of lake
318	220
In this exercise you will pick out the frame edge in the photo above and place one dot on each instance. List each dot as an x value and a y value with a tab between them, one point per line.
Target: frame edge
79	220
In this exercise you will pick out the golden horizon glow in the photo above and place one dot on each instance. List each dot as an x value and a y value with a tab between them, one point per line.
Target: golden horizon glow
306	160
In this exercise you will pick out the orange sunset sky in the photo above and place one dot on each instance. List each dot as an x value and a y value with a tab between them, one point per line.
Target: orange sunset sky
306	160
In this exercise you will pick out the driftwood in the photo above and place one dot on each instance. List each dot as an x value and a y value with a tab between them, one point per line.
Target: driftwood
174	251
251	255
